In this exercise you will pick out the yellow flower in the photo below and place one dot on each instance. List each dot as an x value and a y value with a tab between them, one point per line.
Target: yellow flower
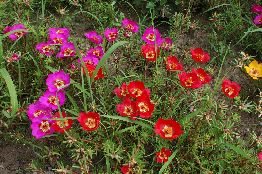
254	69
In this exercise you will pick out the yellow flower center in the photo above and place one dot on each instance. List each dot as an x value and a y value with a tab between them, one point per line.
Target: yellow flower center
59	32
130	27
189	81
44	126
53	100
143	107
137	92
128	110
229	90
112	35
46	49
62	124
68	52
59	83
19	34
200	57
254	72
172	66
150	55
162	156
37	113
151	37
58	40
168	131
96	53
90	123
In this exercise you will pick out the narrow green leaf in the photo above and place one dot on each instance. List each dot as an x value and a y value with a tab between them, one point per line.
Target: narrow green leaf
238	151
106	56
11	88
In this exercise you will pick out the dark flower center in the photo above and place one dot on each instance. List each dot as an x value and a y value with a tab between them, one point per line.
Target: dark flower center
151	37
53	100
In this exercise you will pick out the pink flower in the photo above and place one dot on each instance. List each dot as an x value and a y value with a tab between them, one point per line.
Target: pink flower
58	35
167	43
256	8
111	34
66	50
18	34
94	37
152	36
91	60
38	110
59	31
45	48
258	20
41	127
58	80
97	52
259	155
130	25
52	99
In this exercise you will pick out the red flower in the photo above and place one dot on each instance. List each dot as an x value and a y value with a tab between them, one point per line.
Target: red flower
172	64
199	55
61	125
230	89
135	88
91	68
189	80
127	108
125	169
121	91
150	52
162	155
168	129
202	75
144	106
89	120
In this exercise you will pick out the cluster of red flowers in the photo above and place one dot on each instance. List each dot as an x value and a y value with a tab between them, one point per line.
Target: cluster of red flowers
135	100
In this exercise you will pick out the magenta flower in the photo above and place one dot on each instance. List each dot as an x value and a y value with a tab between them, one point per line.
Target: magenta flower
45	48
91	60
167	43
18	34
42	127
256	8
259	155
38	110
258	20
52	99
152	36
94	37
111	34
58	80
59	31
66	50
58	36
130	25
97	52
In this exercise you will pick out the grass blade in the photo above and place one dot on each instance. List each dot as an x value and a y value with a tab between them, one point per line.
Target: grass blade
106	56
11	88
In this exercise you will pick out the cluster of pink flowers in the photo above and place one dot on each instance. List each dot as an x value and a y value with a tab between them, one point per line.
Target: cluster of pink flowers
42	112
258	10
57	37
18	34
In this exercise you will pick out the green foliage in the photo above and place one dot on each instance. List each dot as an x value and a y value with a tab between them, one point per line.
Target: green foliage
212	141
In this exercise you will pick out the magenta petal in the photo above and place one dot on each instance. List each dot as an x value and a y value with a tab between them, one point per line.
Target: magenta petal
50	99
58	80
